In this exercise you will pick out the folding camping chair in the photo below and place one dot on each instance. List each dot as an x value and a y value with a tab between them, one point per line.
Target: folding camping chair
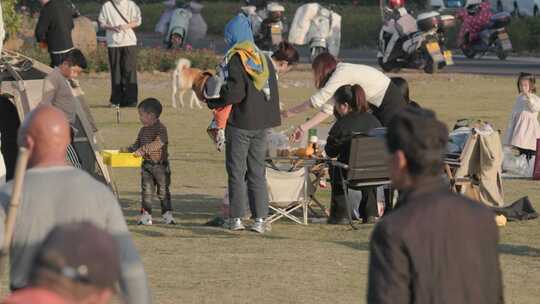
453	163
368	166
289	191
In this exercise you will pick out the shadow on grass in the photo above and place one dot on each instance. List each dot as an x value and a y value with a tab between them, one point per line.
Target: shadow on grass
363	246
519	250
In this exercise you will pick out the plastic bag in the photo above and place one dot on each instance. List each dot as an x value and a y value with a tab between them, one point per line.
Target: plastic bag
277	141
517	165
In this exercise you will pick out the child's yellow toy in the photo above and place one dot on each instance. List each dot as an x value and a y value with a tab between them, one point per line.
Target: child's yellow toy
117	159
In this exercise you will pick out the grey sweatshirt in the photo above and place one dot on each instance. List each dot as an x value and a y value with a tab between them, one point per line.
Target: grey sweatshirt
58	195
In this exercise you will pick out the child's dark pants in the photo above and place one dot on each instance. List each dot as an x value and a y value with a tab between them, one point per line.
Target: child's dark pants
156	174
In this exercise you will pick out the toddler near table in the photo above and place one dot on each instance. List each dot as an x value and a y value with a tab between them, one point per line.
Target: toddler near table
151	144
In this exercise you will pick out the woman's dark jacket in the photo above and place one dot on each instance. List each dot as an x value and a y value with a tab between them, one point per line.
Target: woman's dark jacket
338	143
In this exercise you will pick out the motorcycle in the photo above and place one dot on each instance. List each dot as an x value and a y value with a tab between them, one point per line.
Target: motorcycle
423	48
494	39
318	27
269	26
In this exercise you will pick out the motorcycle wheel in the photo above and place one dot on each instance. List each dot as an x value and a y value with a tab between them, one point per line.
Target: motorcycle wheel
469	53
388	68
431	67
316	51
501	53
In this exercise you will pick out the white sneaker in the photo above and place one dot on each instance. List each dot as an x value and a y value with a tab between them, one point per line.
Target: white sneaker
146	219
168	218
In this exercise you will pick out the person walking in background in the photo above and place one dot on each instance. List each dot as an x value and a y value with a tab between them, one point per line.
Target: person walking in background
55	193
53	29
151	144
523	127
77	263
119	18
435	246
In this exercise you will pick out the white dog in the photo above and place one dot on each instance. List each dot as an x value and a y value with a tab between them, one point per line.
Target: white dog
182	80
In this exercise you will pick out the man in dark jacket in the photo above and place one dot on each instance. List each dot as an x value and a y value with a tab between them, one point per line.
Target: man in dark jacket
54	29
436	246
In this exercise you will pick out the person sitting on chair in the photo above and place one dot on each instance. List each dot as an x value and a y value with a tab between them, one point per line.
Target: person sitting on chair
351	108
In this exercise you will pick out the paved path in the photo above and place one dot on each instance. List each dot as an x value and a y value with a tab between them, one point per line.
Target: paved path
488	65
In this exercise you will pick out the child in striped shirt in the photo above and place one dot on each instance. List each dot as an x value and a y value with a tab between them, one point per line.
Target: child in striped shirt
151	145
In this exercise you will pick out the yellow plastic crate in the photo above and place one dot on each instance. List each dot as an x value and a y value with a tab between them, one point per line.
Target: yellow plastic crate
116	159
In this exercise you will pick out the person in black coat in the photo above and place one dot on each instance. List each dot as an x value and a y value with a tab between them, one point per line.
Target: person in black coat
351	109
436	246
54	29
253	113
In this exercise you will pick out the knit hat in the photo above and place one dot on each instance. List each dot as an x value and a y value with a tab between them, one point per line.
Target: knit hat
81	252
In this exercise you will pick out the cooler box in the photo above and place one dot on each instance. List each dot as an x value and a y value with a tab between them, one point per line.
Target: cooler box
117	159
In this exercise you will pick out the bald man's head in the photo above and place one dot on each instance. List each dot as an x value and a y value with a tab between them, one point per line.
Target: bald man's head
46	133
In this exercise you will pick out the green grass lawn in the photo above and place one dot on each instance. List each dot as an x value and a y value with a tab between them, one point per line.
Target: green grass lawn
190	263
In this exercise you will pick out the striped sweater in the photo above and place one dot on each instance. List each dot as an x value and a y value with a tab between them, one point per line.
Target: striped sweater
153	142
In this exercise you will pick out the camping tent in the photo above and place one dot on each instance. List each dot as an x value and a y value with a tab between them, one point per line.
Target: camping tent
21	88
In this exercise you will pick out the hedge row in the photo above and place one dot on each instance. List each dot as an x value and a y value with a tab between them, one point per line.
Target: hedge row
148	59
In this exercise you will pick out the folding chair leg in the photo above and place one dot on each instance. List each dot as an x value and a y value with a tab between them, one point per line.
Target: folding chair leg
305	210
347	200
323	208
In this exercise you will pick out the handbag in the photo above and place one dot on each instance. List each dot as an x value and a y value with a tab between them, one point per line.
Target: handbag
536	169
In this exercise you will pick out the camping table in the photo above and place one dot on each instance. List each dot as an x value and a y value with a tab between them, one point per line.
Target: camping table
312	164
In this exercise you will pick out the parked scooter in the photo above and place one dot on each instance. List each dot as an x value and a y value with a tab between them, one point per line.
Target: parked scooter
318	27
494	39
424	48
267	23
181	24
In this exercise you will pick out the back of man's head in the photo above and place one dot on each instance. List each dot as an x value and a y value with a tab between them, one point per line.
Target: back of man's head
422	139
79	262
75	58
46	133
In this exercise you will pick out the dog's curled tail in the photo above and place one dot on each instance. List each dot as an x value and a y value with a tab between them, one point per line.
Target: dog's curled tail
181	64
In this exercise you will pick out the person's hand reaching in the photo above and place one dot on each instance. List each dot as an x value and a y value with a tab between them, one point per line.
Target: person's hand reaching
285	114
138	153
297	134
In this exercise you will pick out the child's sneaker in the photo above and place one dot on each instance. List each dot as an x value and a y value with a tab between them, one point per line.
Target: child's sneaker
220	140
168	218
217	135
146	219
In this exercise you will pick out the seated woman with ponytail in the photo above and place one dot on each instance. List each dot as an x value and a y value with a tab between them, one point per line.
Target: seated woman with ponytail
351	109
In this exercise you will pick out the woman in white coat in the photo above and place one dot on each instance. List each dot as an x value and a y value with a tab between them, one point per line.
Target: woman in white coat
384	98
523	127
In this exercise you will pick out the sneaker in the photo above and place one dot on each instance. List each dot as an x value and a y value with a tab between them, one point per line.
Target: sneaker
168	218
146	219
234	224
220	140
259	226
